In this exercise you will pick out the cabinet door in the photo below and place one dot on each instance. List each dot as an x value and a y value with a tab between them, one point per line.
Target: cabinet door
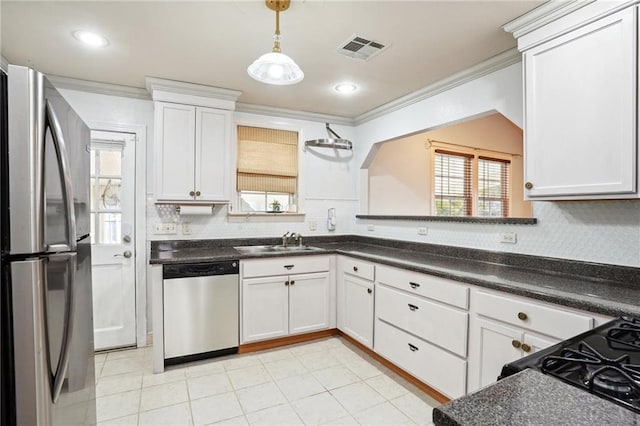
491	347
265	308
537	343
175	150
212	136
357	305
308	302
580	111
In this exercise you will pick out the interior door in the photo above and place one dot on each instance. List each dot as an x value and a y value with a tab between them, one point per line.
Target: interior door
112	238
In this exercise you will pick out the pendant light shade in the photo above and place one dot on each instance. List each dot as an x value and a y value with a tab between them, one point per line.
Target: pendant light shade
276	67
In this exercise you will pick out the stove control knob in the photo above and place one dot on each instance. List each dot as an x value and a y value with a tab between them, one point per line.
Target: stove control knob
522	316
526	348
516	344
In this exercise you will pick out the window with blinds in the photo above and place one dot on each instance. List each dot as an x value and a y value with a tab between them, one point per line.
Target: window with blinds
493	187
452	183
267	168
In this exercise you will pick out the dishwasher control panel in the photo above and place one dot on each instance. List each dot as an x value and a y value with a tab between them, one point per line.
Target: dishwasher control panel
230	267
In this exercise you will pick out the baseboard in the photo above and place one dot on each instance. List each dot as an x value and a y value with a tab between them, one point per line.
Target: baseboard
399	371
283	341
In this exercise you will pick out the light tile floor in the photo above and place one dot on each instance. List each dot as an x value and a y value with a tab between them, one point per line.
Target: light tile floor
327	381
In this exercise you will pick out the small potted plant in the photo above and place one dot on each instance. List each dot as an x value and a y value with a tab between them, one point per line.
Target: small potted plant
275	206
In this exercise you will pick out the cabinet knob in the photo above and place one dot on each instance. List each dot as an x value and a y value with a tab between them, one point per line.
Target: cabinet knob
528	185
292	282
286	283
198	193
522	316
526	348
355	269
369	291
191	193
516	344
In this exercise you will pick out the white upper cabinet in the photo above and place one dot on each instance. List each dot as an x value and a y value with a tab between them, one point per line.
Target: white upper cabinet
193	131
192	153
580	79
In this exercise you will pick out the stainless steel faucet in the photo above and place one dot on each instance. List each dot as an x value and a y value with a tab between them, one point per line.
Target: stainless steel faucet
287	238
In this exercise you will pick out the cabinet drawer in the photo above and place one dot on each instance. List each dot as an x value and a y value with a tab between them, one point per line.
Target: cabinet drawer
284	266
443	371
552	321
439	324
440	289
358	268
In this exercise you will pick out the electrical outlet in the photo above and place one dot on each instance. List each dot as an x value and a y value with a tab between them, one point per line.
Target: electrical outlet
166	228
313	225
509	237
186	228
370	227
422	230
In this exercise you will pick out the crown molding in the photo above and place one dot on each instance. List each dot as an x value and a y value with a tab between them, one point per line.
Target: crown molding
495	63
542	15
191	93
294	114
4	64
97	87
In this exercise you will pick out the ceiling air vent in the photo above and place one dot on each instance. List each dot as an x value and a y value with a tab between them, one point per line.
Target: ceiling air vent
362	48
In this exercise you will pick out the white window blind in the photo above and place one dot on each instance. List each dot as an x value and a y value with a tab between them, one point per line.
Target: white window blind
493	187
452	183
267	160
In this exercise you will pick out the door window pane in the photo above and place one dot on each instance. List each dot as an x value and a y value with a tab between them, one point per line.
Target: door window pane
110	162
109	195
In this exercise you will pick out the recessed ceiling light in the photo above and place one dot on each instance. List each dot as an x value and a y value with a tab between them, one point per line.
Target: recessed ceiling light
90	39
346	88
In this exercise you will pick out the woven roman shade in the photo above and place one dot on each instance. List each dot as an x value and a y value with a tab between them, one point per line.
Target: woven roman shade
267	160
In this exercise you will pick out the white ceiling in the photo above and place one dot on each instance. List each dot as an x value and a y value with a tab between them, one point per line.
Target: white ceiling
213	42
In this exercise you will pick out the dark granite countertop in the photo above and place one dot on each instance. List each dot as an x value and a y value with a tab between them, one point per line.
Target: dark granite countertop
605	289
532	398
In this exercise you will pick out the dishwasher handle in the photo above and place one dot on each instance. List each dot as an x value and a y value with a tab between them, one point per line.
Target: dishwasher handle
187	270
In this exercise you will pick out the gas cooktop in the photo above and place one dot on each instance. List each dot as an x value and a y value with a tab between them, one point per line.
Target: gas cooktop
604	361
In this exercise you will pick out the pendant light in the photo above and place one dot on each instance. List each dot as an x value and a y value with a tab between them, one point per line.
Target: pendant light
275	67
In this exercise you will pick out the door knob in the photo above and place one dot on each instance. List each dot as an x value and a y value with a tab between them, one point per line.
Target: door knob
126	254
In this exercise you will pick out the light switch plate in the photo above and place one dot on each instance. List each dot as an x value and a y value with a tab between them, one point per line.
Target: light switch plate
313	225
422	230
186	228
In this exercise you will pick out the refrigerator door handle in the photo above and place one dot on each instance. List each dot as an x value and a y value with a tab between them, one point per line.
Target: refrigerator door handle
65	349
67	189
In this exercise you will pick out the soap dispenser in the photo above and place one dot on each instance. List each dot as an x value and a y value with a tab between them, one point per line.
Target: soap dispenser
331	219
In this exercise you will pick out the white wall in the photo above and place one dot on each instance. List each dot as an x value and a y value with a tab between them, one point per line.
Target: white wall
596	231
325	181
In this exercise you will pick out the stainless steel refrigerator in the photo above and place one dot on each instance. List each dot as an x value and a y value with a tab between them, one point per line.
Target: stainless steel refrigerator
46	314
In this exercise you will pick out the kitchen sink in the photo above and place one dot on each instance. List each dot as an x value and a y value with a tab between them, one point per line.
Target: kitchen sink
274	249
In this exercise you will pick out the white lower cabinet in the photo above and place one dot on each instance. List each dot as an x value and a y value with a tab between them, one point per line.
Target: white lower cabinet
282	305
504	328
357	319
438	368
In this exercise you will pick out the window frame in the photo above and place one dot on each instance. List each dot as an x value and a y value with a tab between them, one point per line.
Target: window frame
234	208
475	154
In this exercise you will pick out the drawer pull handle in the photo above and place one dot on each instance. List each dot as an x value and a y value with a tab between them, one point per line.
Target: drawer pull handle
413	347
286	283
288	266
355	269
414	285
522	316
412	307
516	344
292	282
369	291
526	348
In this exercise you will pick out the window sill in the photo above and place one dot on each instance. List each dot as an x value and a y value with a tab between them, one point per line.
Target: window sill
462	219
265	217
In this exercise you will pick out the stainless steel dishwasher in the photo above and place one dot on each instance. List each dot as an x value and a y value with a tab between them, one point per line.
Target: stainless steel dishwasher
201	305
